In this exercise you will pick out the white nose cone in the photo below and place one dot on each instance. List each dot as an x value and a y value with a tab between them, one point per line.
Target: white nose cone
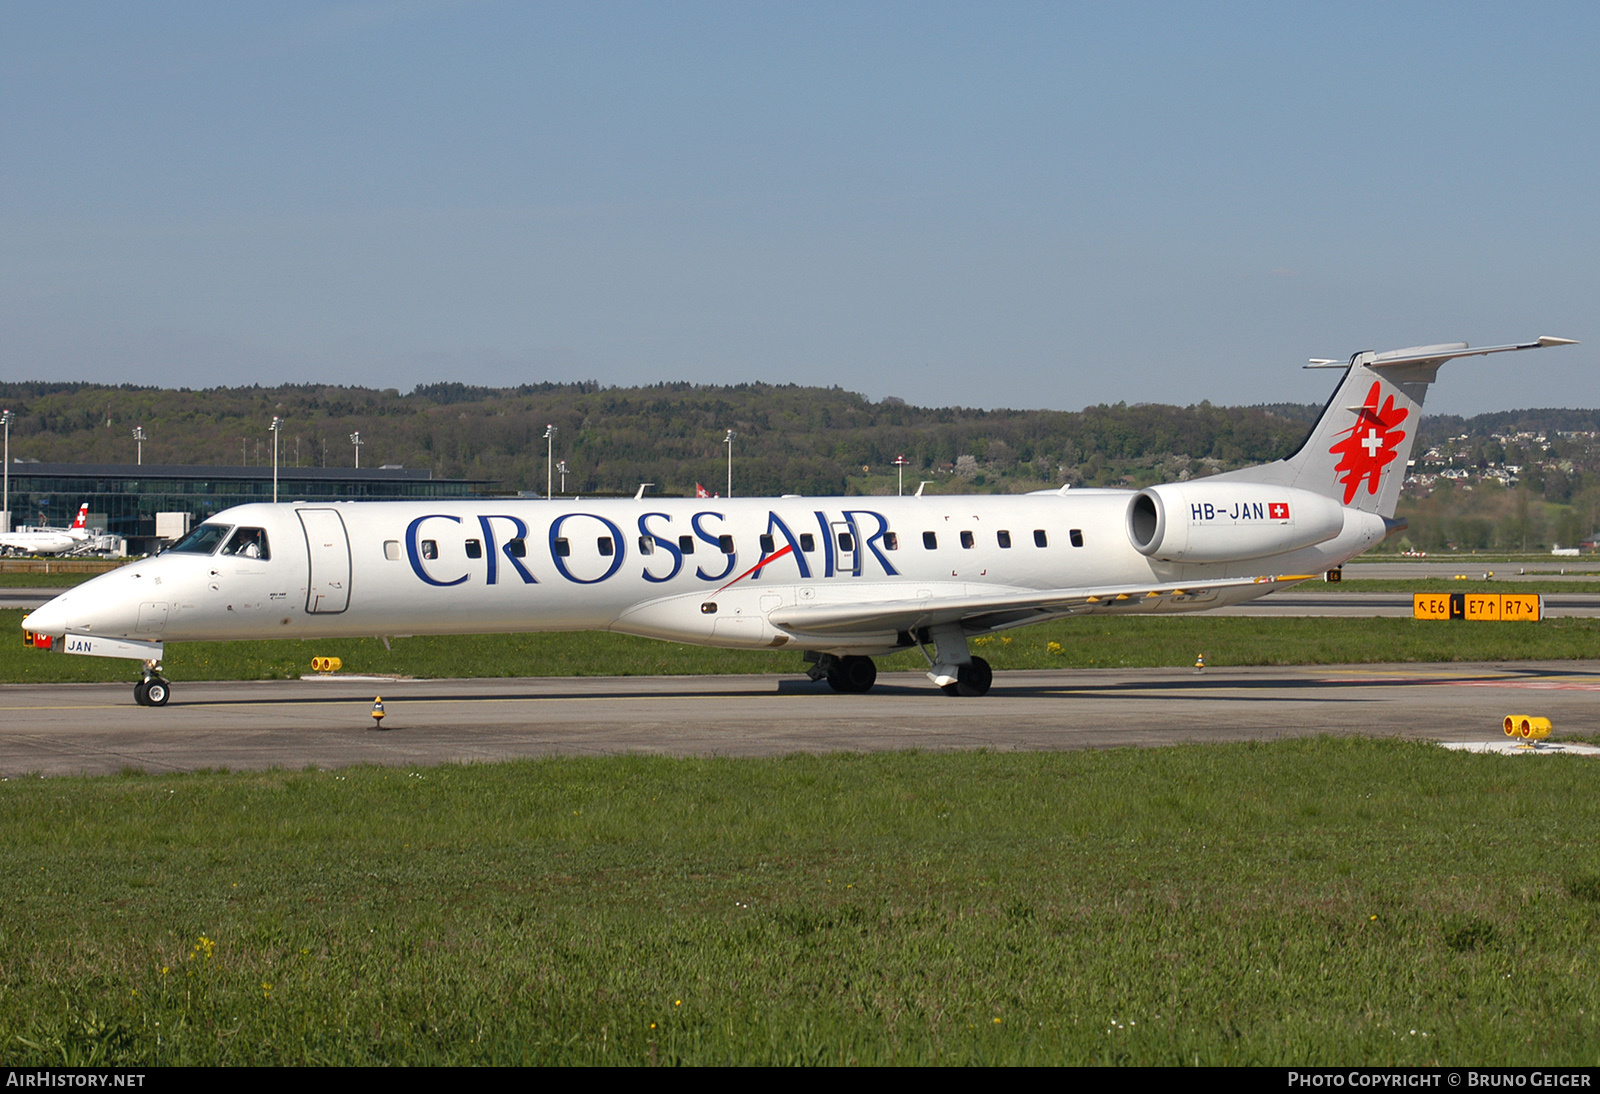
49	618
107	604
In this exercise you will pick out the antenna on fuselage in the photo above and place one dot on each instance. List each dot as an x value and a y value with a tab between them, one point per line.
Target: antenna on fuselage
640	495
920	485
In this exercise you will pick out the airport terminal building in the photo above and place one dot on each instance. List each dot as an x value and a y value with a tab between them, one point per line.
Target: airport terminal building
125	498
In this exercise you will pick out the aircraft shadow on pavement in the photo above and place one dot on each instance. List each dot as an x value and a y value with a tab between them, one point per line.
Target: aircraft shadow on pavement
1199	687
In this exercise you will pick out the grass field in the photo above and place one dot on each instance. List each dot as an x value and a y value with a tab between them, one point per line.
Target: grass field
1450	585
1304	902
1078	643
42	581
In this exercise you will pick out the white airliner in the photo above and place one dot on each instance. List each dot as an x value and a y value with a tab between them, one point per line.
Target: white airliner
49	541
840	579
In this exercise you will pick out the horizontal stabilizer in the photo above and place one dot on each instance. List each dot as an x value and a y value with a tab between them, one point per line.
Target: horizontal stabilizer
1437	355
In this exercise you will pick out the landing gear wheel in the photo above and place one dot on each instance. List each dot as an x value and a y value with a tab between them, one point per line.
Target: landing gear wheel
157	692
141	693
852	675
972	680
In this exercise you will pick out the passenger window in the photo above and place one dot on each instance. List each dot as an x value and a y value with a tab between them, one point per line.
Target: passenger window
1076	535
967	541
517	548
847	542
607	548
808	542
391	550
725	544
767	545
1040	539
891	541
1004	538
248	543
647	545
686	544
474	549
930	541
563	548
430	548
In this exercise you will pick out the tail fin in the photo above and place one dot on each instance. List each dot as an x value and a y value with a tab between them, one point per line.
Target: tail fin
1358	449
83	518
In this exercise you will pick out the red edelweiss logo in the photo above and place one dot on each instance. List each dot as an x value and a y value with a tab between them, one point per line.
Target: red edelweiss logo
1369	446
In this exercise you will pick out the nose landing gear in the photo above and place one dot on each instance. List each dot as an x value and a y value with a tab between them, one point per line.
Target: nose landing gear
153	690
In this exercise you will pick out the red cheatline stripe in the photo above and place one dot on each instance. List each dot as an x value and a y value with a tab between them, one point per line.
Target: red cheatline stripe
767	561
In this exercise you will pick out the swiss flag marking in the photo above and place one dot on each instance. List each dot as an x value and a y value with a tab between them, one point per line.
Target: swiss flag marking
1370	445
1277	510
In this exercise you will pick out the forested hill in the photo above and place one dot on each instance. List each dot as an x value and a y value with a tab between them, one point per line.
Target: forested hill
1549	421
789	439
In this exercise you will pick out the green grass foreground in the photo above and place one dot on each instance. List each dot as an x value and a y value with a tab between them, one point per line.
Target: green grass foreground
1331	901
1129	642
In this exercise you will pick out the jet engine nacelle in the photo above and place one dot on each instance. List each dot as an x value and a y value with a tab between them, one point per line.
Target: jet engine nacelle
1228	521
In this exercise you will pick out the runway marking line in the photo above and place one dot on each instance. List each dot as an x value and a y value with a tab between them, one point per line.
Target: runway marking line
100	706
1529	685
403	699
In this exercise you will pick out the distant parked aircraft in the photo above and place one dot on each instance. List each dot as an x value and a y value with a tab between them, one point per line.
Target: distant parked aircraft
48	541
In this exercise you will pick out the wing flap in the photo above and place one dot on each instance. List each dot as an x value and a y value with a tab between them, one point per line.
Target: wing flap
1009	609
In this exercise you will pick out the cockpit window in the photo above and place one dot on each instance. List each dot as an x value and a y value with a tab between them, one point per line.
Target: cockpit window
248	543
203	540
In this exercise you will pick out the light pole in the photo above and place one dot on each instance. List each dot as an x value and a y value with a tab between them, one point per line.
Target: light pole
355	439
728	440
138	436
561	469
277	424
549	461
5	499
901	463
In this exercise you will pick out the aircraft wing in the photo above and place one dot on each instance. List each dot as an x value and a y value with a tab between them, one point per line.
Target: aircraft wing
994	612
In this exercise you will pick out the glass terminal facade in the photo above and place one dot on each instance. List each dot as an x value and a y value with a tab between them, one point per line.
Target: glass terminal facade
125	498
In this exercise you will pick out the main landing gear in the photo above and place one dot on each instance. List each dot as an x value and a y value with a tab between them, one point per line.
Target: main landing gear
955	670
952	668
972	679
153	690
852	675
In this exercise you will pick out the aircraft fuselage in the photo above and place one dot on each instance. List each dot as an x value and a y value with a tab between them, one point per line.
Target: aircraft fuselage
708	571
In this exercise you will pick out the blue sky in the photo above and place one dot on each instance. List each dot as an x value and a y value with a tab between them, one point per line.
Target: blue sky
980	204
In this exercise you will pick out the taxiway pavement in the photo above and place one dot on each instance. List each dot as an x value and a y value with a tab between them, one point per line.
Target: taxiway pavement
68	729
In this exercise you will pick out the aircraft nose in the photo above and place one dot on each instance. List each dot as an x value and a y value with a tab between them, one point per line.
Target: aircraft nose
101	605
49	618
